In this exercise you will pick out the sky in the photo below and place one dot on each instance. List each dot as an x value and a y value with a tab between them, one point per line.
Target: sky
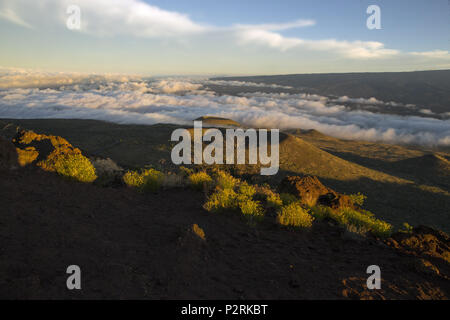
204	37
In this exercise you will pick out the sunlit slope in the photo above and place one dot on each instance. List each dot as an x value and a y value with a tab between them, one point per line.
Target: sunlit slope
392	194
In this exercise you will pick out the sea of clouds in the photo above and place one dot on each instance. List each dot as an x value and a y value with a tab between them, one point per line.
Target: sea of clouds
137	100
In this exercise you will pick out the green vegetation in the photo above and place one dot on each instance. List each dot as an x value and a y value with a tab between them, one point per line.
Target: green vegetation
64	159
274	200
146	180
320	212
251	209
200	180
74	166
225	180
358	199
221	200
361	221
247	190
406	228
232	194
294	215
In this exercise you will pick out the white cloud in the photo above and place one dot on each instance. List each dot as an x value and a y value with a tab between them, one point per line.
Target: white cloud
349	49
277	26
179	101
103	17
267	38
435	54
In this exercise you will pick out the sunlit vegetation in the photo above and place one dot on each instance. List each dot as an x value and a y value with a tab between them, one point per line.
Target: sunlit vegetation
224	180
353	220
358	199
221	200
65	159
320	212
198	231
274	200
406	228
294	215
71	165
26	156
145	180
232	194
200	180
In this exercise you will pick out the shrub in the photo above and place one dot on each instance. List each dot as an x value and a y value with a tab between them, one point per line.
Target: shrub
63	159
294	215
406	228
26	156
364	220
358	199
288	198
75	166
274	200
225	181
247	190
199	179
105	167
321	212
251	209
221	199
198	231
146	180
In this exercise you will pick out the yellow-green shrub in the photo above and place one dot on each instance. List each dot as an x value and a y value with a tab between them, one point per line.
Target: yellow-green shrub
247	190
221	199
294	215
251	209
364	220
406	228
199	179
225	181
274	200
74	166
26	156
320	212
358	199
65	159
146	180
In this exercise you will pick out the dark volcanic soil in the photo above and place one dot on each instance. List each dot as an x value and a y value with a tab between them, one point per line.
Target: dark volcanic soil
132	245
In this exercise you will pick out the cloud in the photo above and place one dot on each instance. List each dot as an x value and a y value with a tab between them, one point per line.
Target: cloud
349	49
244	84
435	54
143	101
10	15
276	26
103	17
138	19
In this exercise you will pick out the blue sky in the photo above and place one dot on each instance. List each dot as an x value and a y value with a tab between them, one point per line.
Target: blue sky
227	37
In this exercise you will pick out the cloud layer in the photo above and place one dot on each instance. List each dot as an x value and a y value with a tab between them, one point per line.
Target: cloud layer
133	100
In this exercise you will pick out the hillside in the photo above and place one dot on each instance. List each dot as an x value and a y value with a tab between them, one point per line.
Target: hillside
132	245
393	194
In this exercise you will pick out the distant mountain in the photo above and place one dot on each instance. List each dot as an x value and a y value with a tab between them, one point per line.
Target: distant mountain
427	89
